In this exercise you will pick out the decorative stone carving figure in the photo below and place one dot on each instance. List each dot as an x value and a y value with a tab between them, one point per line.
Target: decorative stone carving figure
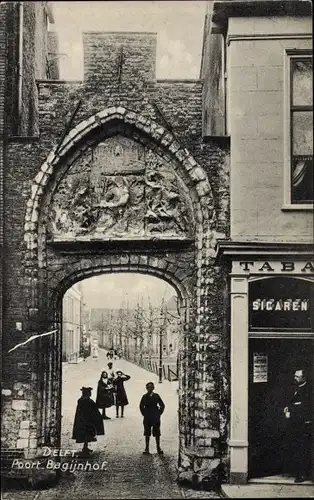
111	193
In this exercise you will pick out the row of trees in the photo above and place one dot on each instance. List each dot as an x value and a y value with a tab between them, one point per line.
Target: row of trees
136	332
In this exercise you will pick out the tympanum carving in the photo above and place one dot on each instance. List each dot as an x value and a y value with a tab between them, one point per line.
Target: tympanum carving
120	190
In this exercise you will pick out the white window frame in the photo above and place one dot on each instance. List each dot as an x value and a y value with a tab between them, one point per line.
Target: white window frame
291	54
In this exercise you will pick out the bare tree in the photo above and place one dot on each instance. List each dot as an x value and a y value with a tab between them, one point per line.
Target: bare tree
136	329
151	322
101	328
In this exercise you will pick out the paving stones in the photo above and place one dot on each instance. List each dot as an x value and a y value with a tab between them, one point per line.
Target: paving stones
127	474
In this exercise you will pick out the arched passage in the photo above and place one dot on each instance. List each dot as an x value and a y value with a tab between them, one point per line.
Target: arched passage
85	268
126	312
81	275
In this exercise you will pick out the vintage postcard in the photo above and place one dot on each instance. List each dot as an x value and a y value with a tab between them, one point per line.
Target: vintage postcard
156	235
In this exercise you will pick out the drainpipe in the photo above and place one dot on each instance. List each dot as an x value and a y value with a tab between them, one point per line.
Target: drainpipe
20	65
225	82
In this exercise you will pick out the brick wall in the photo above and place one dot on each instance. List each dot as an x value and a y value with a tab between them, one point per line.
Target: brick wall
17	398
3	62
27	125
3	59
11	29
32	65
106	53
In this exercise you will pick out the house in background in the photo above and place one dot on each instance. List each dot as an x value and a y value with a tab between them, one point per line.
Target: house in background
72	326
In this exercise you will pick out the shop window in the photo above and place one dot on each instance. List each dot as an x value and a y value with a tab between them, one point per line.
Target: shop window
301	130
281	304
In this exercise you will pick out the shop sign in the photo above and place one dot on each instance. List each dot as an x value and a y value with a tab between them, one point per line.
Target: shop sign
281	304
273	267
260	368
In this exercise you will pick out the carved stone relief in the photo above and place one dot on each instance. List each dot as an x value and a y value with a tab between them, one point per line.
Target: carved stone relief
120	190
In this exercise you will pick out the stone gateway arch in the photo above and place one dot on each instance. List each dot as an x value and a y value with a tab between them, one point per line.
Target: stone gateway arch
120	191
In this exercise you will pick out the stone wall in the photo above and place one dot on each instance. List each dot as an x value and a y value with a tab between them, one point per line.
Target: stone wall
41	40
165	117
53	56
213	75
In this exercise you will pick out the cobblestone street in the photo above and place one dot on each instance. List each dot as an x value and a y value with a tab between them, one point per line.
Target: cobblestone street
127	474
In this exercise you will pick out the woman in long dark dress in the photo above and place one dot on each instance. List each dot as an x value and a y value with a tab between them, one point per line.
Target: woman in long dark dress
121	397
87	422
105	397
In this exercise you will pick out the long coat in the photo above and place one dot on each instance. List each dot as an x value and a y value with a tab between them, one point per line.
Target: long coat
88	421
121	397
105	397
300	408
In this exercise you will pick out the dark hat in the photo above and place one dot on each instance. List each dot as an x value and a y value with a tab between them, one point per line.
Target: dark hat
86	389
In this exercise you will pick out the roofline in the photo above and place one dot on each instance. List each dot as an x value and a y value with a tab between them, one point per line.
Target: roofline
206	31
223	9
218	13
233	249
100	32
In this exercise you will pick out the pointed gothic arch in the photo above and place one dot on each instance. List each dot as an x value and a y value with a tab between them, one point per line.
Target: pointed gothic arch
205	212
193	275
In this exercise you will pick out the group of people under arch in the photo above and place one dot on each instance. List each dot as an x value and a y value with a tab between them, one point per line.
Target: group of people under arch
88	421
111	391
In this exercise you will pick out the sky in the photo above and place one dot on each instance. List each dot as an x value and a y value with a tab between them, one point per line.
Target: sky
111	290
179	25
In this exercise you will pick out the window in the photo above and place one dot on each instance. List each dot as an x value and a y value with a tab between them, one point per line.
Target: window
301	130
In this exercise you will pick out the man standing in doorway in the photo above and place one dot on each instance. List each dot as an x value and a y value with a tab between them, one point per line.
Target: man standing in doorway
299	412
152	407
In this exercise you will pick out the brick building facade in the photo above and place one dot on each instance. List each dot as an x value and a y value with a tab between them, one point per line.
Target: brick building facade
23	58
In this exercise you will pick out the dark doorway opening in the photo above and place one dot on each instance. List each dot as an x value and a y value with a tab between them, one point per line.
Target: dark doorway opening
272	364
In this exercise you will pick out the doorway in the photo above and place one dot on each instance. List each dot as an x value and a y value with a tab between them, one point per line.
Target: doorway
272	363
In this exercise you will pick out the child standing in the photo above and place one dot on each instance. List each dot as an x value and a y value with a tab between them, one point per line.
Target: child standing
105	398
151	407
121	397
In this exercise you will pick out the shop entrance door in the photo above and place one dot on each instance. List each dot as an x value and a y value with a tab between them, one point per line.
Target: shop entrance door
272	364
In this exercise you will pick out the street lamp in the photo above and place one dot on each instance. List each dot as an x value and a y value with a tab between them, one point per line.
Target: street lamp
160	355
163	326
